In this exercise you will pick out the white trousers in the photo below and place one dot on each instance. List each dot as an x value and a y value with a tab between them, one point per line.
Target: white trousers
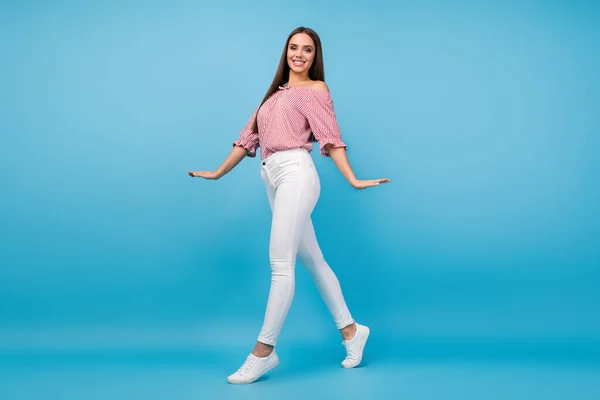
293	189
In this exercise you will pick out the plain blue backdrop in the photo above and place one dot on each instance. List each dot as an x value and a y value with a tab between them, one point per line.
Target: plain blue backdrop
484	247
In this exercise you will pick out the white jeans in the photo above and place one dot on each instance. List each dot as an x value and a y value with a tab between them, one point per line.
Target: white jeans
293	189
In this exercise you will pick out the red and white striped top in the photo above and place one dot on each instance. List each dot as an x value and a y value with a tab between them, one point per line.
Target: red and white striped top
286	120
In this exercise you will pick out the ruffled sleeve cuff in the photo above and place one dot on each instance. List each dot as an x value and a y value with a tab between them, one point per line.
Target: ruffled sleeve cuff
249	142
336	142
247	138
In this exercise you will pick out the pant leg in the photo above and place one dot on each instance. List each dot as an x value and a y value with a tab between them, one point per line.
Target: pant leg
311	256
293	201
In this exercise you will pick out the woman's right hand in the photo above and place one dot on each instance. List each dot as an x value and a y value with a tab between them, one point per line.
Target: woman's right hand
236	155
213	175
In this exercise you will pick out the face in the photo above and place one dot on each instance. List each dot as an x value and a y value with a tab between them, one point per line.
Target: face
300	53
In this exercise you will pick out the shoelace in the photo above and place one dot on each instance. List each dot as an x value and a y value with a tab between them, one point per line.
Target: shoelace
351	354
250	361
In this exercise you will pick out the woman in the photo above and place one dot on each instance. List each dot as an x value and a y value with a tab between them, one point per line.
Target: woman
296	111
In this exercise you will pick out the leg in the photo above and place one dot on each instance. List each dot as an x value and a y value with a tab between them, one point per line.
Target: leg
262	349
292	205
311	257
355	335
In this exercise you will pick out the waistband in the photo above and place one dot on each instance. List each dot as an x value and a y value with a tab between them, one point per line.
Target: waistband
285	154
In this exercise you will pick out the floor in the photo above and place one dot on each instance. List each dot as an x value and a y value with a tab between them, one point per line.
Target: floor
408	369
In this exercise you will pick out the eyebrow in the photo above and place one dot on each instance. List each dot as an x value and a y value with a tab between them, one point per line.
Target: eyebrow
294	44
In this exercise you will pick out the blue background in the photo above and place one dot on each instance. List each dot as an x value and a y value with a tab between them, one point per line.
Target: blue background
477	268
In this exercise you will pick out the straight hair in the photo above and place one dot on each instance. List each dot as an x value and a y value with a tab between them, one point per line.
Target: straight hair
316	71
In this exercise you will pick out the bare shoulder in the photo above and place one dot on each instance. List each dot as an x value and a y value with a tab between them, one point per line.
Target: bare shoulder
319	85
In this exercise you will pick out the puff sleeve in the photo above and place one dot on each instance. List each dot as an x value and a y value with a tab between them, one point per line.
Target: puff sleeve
322	120
247	138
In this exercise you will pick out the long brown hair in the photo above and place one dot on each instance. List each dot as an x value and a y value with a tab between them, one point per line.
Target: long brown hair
316	71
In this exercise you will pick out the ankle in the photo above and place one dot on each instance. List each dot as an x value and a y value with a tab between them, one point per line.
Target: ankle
262	350
262	353
349	331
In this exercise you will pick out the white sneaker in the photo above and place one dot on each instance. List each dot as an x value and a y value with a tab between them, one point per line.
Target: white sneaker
253	368
355	346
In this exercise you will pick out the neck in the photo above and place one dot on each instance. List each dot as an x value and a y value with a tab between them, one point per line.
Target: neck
295	78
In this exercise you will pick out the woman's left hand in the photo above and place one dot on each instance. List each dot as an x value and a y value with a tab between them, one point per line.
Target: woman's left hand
363	184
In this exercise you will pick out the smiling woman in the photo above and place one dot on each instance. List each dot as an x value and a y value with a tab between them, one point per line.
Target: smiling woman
296	111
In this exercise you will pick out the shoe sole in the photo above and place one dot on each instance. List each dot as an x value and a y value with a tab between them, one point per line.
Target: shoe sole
362	349
276	363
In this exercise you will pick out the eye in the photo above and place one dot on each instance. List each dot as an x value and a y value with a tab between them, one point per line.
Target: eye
308	50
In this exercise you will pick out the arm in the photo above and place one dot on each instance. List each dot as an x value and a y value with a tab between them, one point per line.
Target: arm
245	145
323	121
340	158
236	155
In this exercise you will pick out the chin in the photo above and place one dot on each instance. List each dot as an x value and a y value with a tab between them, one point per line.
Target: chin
298	70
